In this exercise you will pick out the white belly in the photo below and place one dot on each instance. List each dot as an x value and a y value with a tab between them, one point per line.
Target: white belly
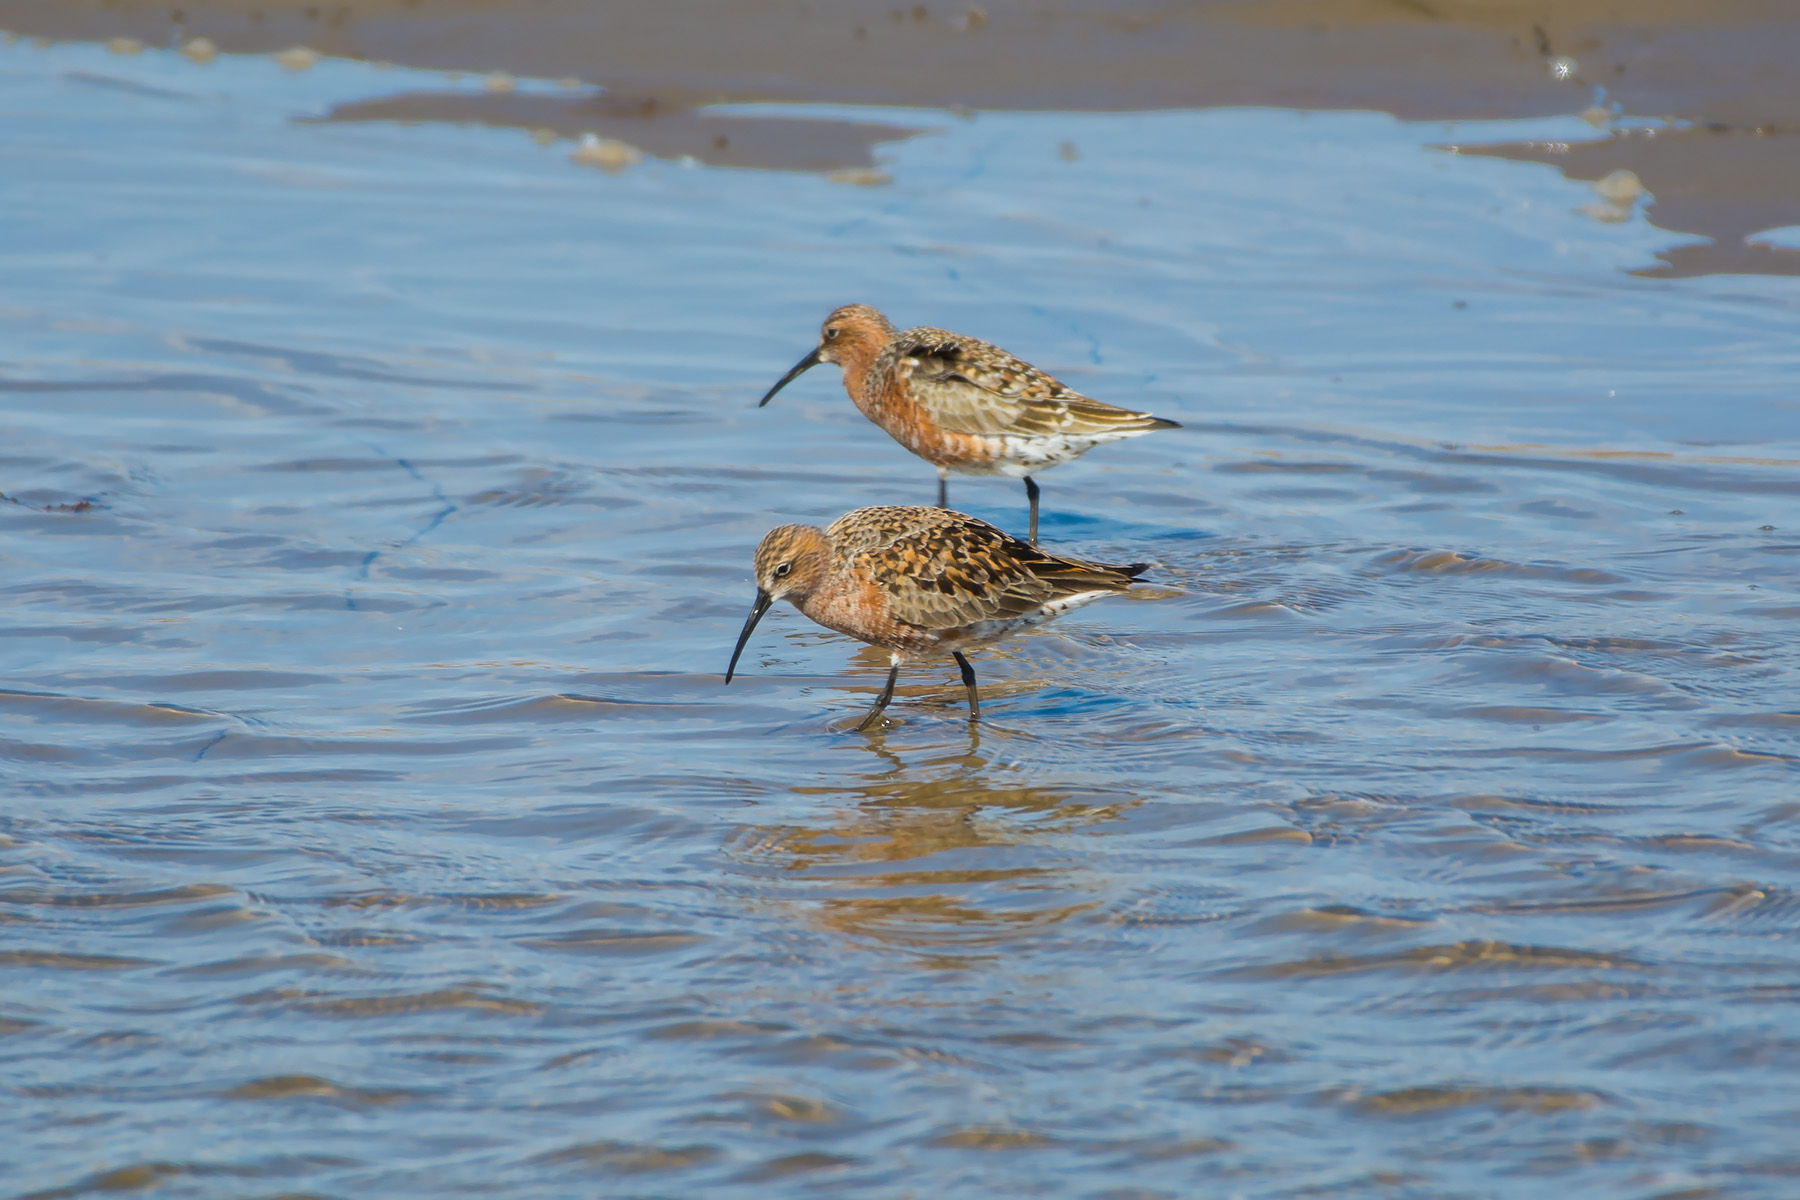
986	631
1017	457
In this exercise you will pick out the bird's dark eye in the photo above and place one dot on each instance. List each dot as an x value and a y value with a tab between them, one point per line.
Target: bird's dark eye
783	569
831	332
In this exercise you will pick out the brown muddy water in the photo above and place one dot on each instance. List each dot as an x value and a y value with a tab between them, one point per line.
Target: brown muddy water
380	490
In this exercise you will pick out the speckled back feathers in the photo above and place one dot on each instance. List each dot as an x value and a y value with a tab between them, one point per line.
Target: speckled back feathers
970	386
940	569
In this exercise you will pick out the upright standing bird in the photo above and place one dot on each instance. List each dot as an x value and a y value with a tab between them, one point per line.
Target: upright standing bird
918	582
963	404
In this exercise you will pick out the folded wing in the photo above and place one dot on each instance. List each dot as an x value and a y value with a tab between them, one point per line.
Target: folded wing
943	570
971	386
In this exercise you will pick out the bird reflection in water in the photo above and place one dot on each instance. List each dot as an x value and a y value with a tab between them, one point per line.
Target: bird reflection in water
948	857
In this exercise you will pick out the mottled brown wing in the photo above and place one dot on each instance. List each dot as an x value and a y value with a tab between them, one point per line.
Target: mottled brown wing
971	386
873	529
941	569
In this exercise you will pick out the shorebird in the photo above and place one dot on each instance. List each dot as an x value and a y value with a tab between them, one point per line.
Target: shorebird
918	582
963	404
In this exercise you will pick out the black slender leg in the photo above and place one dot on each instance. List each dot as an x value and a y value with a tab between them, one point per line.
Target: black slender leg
943	488
968	674
1031	493
881	701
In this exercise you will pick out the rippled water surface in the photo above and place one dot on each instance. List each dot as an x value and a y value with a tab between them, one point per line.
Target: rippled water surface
379	503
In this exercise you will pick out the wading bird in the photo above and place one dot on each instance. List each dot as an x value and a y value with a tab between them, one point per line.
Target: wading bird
920	582
963	404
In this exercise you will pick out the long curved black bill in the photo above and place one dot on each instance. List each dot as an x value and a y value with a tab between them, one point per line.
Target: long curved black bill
800	368
763	600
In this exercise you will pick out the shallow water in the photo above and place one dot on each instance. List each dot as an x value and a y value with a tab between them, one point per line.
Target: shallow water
379	506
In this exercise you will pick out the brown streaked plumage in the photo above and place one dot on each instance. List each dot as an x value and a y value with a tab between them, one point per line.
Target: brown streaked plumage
963	404
919	582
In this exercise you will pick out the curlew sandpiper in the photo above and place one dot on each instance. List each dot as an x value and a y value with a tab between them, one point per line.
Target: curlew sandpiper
918	582
963	404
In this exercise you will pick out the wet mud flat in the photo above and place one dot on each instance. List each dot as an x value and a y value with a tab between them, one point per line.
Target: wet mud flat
380	475
1714	78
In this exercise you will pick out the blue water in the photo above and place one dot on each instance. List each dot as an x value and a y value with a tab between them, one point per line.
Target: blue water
377	822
